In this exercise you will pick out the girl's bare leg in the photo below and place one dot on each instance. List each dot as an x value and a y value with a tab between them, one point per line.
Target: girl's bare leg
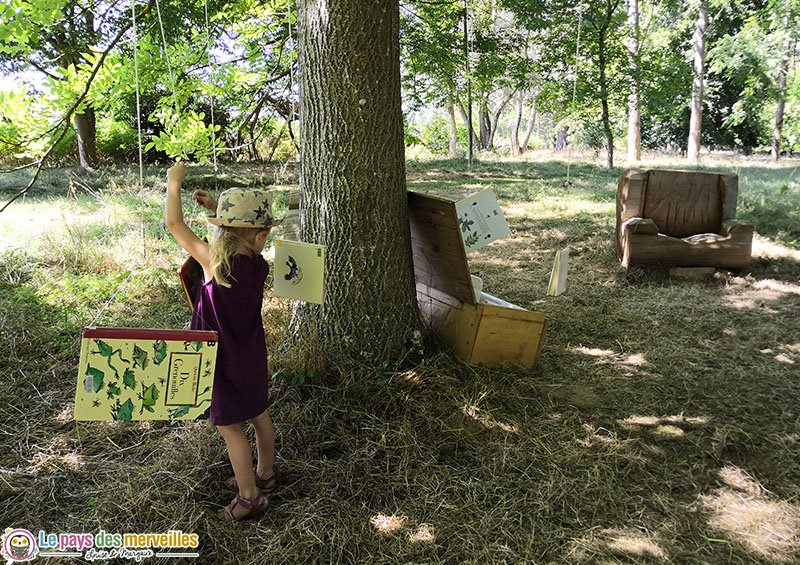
241	457
265	444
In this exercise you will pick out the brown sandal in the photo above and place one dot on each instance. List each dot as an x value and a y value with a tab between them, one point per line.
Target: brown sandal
253	506
266	484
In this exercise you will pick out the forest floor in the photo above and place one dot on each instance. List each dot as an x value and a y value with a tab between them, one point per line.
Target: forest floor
661	424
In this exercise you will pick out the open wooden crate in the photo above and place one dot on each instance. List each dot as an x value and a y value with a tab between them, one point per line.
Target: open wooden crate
476	332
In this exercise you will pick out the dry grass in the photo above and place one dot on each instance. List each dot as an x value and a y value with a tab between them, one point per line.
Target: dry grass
660	426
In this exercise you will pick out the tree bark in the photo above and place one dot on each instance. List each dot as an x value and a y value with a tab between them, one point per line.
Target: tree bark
496	120
352	182
465	117
451	115
696	120
634	142
601	45
485	123
777	132
86	133
515	151
529	130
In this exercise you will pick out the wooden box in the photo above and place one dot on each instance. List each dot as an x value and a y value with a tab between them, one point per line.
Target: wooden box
476	332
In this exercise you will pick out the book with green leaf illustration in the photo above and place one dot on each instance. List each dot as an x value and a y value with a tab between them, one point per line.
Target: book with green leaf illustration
481	220
142	374
299	271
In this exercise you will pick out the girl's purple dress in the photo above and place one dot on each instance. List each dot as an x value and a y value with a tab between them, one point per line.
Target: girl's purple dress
241	377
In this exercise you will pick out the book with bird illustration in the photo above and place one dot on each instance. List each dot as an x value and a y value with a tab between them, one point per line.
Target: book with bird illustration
299	271
144	374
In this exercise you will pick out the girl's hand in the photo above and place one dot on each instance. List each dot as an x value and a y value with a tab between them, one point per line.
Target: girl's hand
176	173
205	200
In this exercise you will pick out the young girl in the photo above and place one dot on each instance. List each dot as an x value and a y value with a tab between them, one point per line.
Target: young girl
229	302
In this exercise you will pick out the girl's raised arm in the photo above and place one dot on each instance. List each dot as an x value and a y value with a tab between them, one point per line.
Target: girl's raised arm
173	216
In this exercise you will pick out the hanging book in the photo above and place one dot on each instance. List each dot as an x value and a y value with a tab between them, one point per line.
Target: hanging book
558	277
299	271
192	276
481	220
141	374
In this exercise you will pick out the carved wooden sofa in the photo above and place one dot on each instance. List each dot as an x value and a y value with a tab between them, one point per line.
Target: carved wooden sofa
680	218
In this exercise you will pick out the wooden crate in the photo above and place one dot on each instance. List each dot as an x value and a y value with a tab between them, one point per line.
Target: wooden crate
476	332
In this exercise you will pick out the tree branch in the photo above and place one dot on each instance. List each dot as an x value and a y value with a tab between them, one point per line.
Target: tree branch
65	120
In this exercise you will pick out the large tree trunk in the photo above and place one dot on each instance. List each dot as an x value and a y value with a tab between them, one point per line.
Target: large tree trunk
696	120
352	180
777	132
451	115
86	132
634	114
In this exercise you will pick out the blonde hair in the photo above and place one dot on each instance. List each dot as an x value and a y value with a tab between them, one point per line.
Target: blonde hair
227	242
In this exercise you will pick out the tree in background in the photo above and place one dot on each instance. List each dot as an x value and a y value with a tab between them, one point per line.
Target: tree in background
699	45
789	31
352	180
634	113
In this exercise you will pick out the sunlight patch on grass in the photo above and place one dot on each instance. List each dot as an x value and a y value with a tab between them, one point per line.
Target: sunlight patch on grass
669	431
422	534
747	514
633	542
665	427
764	247
56	455
388	524
594	352
474	413
628	542
763	295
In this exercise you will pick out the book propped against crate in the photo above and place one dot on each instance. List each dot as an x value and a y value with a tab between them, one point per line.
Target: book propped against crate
481	220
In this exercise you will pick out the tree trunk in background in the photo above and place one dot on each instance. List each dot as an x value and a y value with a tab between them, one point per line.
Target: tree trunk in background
515	150
485	128
634	114
451	115
470	129
86	133
352	182
777	132
696	120
601	44
529	130
493	122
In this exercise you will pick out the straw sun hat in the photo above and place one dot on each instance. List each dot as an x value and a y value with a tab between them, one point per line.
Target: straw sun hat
244	208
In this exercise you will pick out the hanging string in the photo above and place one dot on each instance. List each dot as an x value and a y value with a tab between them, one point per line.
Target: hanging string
213	74
138	125
574	89
110	300
291	66
169	71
